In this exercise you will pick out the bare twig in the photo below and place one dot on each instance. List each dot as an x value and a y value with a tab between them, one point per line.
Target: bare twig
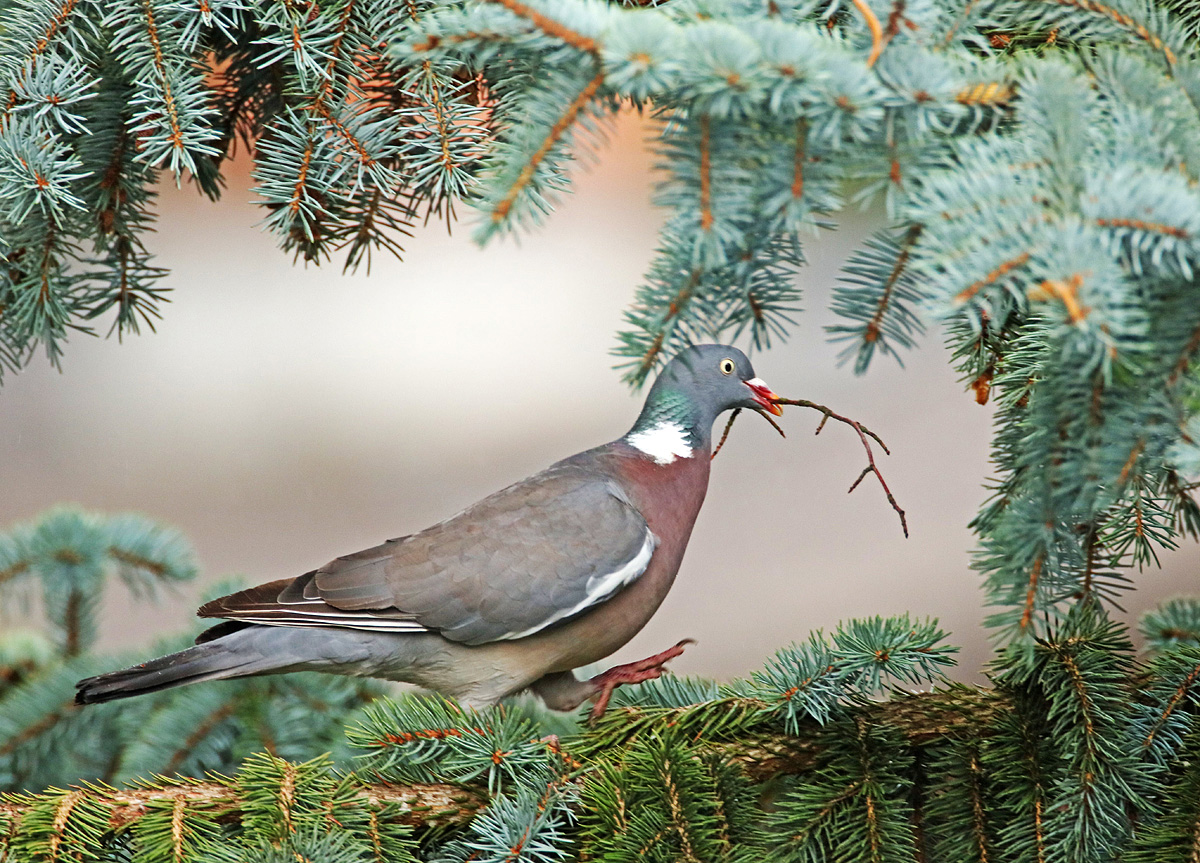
725	434
762	413
863	434
729	425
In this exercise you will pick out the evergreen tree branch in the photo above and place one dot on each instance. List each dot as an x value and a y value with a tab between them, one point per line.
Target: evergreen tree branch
415	805
549	26
502	208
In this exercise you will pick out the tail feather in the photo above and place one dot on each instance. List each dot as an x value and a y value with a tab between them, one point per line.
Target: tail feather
208	661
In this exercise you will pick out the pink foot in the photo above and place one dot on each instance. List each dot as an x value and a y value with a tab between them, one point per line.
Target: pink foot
632	672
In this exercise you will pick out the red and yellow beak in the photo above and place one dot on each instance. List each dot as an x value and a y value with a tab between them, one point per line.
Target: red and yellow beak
763	396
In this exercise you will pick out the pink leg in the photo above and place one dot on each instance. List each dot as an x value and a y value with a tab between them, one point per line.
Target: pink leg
632	672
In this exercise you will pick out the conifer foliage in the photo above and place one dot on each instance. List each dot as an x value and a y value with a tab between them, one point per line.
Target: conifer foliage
848	746
1038	161
64	560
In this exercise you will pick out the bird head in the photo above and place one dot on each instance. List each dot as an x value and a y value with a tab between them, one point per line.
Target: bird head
715	378
694	388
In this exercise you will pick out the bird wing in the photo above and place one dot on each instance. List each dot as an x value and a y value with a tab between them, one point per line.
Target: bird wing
528	556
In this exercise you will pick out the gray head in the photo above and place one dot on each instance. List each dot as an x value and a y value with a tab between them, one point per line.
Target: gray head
698	385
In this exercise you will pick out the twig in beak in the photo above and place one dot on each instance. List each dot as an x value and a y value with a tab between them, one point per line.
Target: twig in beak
863	434
828	413
725	434
762	413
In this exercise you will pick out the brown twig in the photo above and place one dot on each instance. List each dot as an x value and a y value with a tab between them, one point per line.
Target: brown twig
729	425
725	434
863	434
762	413
877	41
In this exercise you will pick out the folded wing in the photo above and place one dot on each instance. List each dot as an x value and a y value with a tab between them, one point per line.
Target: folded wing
523	559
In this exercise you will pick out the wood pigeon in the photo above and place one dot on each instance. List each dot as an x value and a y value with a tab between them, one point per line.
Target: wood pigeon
549	574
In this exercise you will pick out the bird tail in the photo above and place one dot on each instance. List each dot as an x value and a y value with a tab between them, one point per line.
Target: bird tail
216	658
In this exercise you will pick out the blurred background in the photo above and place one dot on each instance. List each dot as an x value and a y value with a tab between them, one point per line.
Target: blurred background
283	415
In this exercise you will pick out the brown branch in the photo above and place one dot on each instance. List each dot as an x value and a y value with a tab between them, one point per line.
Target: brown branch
72	624
1121	18
302	176
1002	270
1176	698
130	559
1031	593
44	724
978	807
551	27
552	137
706	216
418	804
1067	291
872	25
318	105
57	20
202	730
762	413
876	322
1139	225
725	434
895	18
1185	357
176	136
13	571
863	434
798	162
178	810
1131	461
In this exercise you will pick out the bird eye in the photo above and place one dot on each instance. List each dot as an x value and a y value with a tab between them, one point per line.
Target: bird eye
726	366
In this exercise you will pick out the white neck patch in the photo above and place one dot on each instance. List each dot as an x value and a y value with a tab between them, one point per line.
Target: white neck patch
663	442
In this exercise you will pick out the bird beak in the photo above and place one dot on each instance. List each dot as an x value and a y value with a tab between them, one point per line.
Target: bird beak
764	396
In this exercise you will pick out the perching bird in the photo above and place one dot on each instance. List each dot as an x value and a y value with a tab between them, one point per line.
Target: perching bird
552	573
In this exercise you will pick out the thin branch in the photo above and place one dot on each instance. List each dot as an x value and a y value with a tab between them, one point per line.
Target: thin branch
418	804
863	434
551	27
725	434
873	26
1185	357
706	216
798	159
56	22
1150	227
1031	594
552	137
906	246
1173	703
1122	19
762	413
160	66
1002	270
729	425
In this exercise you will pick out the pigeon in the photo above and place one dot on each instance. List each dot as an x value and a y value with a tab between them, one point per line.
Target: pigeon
550	574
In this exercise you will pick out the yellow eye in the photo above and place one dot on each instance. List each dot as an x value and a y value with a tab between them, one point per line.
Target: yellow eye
726	366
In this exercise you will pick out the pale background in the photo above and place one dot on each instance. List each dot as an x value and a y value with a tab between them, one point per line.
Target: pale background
284	415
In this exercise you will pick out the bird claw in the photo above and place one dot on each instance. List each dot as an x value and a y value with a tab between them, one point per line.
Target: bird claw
650	668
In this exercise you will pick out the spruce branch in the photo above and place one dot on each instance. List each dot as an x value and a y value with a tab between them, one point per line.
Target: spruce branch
415	805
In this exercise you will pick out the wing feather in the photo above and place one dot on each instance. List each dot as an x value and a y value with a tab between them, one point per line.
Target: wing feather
528	557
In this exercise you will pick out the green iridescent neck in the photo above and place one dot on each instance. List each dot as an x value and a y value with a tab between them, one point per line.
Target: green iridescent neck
665	405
